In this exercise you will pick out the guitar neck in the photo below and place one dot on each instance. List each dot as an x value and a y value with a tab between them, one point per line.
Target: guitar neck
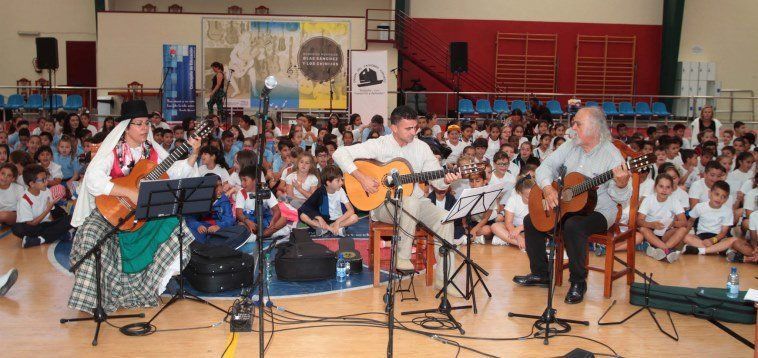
591	183
424	176
175	154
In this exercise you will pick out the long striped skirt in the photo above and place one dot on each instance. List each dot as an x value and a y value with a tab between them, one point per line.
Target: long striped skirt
119	289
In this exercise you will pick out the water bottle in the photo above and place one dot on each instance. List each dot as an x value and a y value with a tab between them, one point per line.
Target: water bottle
347	268
268	273
733	284
341	269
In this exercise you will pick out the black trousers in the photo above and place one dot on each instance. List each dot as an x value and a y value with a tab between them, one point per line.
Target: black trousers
576	229
50	231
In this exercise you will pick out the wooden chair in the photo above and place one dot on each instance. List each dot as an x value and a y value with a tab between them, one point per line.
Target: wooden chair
135	90
610	238
234	10
175	8
40	85
261	10
149	8
24	87
423	241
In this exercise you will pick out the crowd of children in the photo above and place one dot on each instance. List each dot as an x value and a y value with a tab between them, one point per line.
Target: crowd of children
698	198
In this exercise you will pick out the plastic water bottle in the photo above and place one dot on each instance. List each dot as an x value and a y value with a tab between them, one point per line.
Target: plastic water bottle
347	268
733	284
342	269
267	268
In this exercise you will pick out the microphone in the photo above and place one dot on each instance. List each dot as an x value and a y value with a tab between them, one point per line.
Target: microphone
268	85
393	180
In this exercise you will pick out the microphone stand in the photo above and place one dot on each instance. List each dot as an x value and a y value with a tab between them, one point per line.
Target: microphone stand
259	193
226	100
389	297
162	88
549	316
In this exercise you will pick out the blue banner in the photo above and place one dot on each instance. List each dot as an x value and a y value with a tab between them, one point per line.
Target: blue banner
178	100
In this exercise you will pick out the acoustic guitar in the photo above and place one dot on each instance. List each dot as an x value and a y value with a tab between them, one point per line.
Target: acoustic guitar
116	208
380	171
578	195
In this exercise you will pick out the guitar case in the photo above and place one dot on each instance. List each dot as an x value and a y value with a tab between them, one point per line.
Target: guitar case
348	251
214	268
301	259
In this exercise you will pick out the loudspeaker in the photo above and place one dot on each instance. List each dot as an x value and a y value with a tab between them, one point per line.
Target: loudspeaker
47	53
458	57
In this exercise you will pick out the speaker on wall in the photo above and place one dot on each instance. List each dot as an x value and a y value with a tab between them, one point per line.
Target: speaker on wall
47	53
458	57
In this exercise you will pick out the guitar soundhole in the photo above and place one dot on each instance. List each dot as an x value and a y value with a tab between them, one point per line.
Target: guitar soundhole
383	182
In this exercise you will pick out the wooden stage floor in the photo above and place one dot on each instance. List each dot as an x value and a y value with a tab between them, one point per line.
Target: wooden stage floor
31	310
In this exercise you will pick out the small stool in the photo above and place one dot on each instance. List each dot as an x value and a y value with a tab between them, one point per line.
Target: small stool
423	241
411	289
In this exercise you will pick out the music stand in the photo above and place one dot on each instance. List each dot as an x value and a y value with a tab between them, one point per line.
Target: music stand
472	201
176	197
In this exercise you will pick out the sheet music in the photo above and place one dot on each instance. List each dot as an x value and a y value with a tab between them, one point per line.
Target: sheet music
474	201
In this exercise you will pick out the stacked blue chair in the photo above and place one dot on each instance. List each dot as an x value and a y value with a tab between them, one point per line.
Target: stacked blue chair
610	109
642	109
73	102
465	106
57	102
34	102
15	102
483	106
500	106
591	104
555	108
626	109
519	104
659	109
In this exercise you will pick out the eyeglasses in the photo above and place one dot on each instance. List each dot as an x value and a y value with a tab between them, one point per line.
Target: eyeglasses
501	163
40	180
139	124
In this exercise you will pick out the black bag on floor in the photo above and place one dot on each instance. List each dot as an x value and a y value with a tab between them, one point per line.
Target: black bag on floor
219	268
701	302
301	259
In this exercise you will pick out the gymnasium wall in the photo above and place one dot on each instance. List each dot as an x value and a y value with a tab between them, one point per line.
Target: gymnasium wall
72	21
278	7
724	32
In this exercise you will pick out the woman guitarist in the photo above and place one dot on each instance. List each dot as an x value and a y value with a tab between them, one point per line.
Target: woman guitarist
137	266
590	154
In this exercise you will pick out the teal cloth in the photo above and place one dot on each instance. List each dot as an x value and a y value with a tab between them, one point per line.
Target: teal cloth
138	247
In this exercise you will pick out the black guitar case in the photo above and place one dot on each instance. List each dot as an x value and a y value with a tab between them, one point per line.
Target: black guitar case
301	259
215	268
348	251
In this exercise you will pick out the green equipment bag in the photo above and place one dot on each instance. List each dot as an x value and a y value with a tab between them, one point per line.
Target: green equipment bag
701	302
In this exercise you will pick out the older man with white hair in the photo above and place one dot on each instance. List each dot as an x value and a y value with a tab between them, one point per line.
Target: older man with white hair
590	153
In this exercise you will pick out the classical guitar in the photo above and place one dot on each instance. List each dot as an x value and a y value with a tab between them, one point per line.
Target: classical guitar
115	208
380	171
578	195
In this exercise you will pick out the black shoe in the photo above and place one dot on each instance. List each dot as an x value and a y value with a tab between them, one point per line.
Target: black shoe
690	250
532	280
576	293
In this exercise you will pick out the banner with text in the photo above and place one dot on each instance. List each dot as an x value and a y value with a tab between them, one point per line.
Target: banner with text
178	100
308	59
369	84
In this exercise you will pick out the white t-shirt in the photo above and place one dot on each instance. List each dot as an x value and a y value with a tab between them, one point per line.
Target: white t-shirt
682	197
735	179
436	129
218	170
247	202
335	203
753	221
480	134
693	177
664	212
55	171
456	151
9	198
29	209
250	132
493	146
750	198
310	182
509	182
647	186
747	186
700	192
516	205
440	203
711	219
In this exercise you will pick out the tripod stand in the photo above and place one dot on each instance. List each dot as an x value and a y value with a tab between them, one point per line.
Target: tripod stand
98	313
175	198
548	317
472	201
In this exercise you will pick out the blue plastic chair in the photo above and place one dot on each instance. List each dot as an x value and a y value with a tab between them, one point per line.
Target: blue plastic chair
465	106
73	102
519	104
57	102
500	106
2	102
626	109
642	109
591	104
610	109
483	106
34	102
659	109
15	102
554	107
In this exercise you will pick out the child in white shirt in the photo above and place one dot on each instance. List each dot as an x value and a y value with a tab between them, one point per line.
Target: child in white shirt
509	227
10	193
38	220
715	218
661	221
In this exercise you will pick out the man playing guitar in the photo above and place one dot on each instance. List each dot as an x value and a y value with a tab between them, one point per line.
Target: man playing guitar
590	153
403	143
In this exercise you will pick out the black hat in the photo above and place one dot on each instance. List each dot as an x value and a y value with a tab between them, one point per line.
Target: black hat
133	109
